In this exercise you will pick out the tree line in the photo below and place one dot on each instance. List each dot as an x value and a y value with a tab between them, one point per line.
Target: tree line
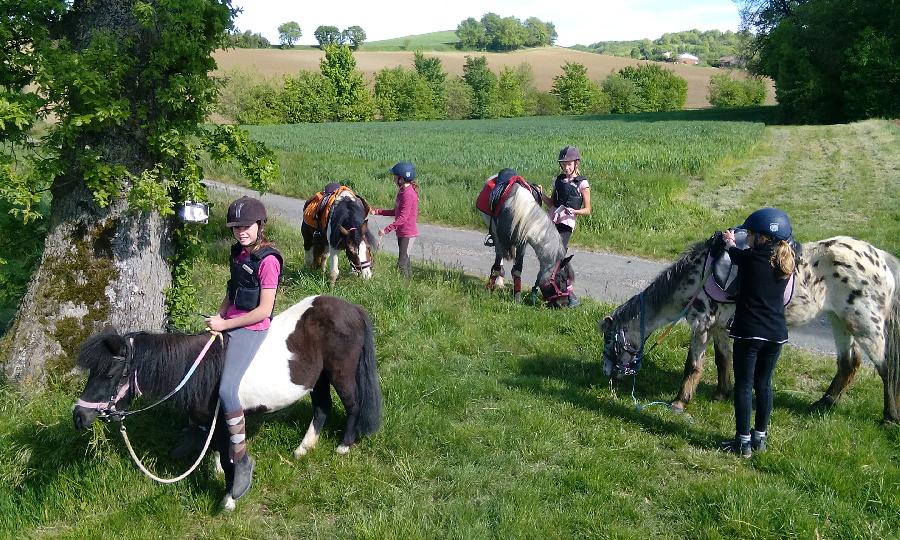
709	46
338	92
495	33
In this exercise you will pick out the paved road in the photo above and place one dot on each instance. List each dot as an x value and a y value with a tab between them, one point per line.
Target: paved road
603	276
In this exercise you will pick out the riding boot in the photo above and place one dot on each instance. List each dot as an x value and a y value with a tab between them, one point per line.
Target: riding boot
243	463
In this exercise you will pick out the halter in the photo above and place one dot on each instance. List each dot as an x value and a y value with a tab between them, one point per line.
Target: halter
357	267
554	288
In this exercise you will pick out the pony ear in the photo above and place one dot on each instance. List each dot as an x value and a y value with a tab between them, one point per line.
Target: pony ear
365	226
115	344
344	231
606	323
566	260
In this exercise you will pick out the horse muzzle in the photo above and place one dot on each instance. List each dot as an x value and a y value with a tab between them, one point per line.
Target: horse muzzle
83	417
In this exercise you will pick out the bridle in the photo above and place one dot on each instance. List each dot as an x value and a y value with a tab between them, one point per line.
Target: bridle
355	264
107	410
550	290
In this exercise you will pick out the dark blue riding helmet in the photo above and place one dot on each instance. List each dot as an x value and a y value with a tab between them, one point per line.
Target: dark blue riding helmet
769	221
505	174
405	170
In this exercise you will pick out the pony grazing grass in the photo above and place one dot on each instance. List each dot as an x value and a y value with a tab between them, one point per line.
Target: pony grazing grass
857	284
319	342
344	225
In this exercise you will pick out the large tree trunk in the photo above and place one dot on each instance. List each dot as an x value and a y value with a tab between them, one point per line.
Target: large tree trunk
100	266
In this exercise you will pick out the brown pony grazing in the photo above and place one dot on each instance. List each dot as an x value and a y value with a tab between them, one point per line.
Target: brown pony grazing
857	284
319	342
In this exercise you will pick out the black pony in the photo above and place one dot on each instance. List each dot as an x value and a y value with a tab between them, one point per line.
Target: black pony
338	221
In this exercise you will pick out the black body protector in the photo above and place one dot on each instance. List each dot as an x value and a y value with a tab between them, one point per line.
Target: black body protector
567	194
244	286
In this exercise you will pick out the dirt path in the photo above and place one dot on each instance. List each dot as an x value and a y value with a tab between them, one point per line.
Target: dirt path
603	276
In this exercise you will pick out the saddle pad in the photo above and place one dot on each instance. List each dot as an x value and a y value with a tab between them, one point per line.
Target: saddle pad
317	207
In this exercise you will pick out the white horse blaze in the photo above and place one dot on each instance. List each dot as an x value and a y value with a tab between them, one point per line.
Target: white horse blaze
363	259
267	382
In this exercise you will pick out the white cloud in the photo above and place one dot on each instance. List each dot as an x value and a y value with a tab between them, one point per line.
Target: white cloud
577	21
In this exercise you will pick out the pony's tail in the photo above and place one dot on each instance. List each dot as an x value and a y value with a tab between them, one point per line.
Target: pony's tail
892	349
367	386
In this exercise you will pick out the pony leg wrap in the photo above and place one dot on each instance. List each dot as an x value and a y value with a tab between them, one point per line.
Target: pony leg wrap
496	272
236	434
517	281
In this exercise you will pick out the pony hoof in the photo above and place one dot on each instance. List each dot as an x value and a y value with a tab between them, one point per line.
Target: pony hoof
228	503
678	406
721	396
342	449
517	297
499	284
823	404
300	451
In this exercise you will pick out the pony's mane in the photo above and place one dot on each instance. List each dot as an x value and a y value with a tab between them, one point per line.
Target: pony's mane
523	220
663	286
163	359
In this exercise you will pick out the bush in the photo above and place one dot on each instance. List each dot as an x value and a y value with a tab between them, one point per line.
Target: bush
404	95
353	102
459	99
431	69
245	100
723	91
659	89
577	94
545	104
623	94
483	82
515	91
309	97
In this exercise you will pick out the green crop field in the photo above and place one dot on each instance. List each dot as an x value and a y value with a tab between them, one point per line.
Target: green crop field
658	181
433	41
498	422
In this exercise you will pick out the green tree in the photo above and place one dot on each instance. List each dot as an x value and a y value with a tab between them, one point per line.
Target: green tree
459	99
623	94
510	35
659	89
246	40
308	97
483	83
289	33
353	36
516	92
470	34
536	33
431	69
128	85
401	94
353	103
327	35
724	91
578	94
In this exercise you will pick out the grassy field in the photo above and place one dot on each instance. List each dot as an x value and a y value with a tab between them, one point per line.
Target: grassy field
430	42
658	181
498	423
546	63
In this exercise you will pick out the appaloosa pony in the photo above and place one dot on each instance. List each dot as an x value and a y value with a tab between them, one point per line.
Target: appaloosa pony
337	220
516	219
855	283
320	341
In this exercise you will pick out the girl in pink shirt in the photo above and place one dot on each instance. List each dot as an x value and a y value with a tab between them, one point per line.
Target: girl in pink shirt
245	315
405	212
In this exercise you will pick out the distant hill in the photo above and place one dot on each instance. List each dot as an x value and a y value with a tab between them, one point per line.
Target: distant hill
435	41
709	46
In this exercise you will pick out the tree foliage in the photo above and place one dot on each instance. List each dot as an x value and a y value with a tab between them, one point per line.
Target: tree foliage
725	91
495	33
431	69
327	35
289	33
578	94
658	88
709	46
483	83
401	94
353	103
832	61
246	40
354	36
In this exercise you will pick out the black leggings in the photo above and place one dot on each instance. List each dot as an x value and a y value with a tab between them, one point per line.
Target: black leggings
565	232
754	363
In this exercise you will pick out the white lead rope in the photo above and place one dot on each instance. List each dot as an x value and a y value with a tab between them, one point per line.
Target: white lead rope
152	476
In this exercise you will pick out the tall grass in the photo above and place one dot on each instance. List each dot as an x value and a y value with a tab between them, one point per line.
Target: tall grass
498	423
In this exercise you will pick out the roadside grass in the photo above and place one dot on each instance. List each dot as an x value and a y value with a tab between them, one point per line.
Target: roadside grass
658	181
498	423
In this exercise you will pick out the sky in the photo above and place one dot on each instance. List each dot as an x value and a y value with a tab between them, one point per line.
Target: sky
577	21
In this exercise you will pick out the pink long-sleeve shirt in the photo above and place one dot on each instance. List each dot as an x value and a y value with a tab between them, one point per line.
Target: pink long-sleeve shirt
405	212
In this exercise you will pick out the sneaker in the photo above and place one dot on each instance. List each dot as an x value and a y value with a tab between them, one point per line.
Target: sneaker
736	446
758	443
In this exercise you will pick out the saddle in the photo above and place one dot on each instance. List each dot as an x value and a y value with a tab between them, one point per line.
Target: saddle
494	194
722	284
317	207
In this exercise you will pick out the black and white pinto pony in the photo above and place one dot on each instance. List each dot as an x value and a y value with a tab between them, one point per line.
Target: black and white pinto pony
522	221
320	341
346	229
855	283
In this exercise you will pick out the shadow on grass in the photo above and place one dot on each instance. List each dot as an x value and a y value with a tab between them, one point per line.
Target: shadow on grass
579	387
768	115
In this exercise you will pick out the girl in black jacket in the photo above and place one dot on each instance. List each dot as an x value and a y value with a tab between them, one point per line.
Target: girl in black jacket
759	328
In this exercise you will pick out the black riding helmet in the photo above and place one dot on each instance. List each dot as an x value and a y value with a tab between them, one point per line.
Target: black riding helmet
246	211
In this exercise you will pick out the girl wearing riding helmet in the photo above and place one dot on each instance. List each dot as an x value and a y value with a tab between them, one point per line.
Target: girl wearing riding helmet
571	195
759	328
245	314
405	212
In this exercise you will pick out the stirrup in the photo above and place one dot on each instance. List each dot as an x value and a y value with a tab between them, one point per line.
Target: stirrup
489	240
